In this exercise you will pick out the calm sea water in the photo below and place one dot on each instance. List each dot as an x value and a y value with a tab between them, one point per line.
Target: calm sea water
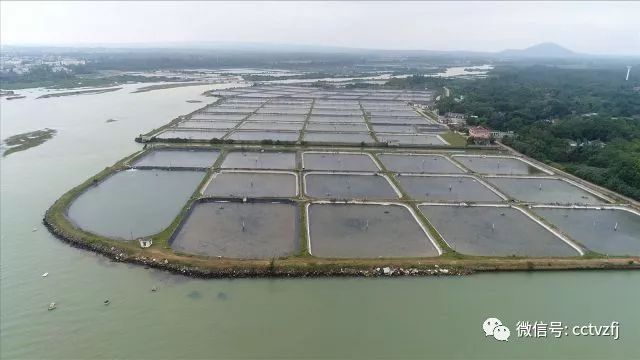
190	318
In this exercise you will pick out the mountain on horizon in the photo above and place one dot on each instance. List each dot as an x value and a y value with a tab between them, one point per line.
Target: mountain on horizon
542	50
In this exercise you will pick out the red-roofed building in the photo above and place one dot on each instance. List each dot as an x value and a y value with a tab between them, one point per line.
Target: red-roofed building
480	135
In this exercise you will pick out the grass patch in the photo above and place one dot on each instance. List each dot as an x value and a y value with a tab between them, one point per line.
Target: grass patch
454	139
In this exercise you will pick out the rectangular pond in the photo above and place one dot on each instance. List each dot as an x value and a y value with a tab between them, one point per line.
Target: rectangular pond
419	163
366	231
400	129
264	125
337	138
134	203
252	184
251	135
338	162
447	189
362	127
276	117
260	160
497	165
283	111
207	124
544	190
494	231
607	231
407	120
218	117
191	134
345	112
348	186
240	230
335	119
424	139
178	158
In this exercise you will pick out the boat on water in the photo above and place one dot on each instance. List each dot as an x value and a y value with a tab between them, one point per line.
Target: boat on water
52	306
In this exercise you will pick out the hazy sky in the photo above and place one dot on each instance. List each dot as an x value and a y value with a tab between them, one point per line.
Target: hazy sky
590	27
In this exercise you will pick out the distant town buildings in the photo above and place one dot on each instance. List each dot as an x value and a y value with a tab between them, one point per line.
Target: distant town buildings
22	64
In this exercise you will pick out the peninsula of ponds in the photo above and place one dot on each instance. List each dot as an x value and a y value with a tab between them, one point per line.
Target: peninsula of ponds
249	207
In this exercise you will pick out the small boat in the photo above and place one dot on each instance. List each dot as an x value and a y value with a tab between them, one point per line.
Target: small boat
52	306
45	274
107	302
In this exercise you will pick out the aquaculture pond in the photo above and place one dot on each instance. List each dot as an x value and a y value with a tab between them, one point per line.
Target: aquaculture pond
254	135
252	184
191	134
366	231
411	139
447	188
607	231
497	165
178	158
260	160
338	161
417	163
348	186
544	190
134	203
494	231
240	230
337	137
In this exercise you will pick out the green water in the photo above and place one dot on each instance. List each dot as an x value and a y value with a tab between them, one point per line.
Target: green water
190	318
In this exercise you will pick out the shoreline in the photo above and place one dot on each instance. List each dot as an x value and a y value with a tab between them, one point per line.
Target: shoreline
300	265
307	267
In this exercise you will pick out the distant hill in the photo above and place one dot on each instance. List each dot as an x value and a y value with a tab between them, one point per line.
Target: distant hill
543	50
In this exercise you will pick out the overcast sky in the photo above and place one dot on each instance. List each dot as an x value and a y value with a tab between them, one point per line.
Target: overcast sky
589	27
